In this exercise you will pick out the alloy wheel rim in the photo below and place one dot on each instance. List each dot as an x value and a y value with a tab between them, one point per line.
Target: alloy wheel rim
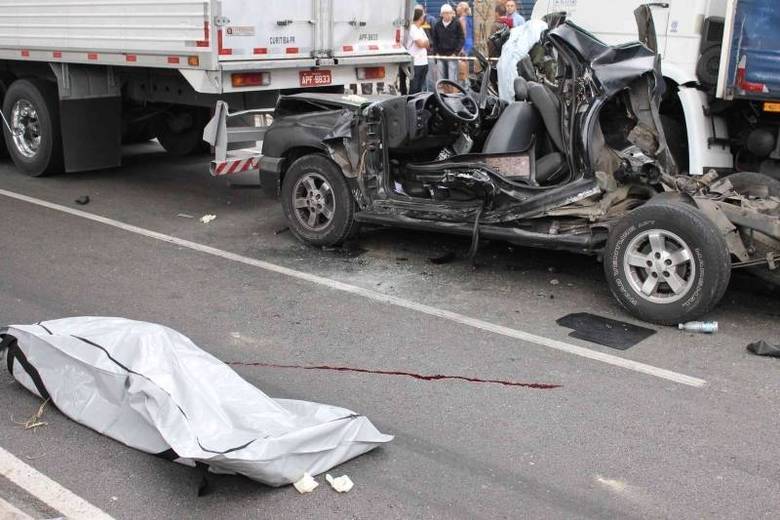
659	266
313	202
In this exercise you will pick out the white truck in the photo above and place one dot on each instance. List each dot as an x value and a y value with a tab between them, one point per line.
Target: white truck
710	49
79	77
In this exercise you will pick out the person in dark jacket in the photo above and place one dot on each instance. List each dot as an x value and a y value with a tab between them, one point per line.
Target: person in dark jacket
448	40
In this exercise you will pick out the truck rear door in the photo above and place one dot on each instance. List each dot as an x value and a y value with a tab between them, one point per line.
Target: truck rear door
279	29
361	27
750	59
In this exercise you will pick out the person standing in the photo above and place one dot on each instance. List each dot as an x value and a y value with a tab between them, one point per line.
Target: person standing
448	41
418	48
467	23
511	12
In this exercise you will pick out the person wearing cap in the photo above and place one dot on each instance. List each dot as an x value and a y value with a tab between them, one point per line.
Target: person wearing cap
447	40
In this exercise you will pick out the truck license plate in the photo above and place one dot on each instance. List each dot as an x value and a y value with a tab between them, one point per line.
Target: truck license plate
771	107
313	78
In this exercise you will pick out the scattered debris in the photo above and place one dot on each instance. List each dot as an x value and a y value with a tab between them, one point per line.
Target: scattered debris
162	388
604	331
342	484
552	269
539	386
35	422
184	215
554	282
704	327
446	258
205	219
764	348
82	201
281	231
306	484
401	259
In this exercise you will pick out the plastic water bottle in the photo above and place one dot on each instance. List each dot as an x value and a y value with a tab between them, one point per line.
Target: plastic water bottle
705	327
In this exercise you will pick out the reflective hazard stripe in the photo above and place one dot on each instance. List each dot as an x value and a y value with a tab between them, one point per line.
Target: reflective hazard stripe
234	166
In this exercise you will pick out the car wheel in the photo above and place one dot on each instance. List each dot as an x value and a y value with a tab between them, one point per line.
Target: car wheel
667	263
753	184
31	107
317	202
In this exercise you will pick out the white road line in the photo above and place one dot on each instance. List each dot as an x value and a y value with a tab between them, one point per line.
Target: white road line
9	512
47	491
377	296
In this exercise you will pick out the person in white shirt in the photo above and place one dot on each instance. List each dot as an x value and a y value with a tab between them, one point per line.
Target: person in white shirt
418	48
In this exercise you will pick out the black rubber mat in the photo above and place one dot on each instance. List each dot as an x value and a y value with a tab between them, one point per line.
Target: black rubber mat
604	331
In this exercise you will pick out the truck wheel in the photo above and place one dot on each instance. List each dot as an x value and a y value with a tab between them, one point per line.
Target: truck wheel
32	108
757	185
317	202
667	263
180	131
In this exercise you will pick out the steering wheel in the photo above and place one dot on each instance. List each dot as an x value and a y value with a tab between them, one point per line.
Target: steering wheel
460	104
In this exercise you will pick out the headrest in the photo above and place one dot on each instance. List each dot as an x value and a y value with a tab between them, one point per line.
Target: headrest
521	89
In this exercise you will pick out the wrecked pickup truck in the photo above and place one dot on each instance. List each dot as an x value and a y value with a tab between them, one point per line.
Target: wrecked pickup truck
578	162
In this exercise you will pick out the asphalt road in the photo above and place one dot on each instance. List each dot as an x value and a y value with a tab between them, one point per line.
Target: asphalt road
610	442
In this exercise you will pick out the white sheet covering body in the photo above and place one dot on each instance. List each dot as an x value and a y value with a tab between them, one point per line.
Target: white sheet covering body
153	389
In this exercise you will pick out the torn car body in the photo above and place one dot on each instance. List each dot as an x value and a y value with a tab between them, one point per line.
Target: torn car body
578	151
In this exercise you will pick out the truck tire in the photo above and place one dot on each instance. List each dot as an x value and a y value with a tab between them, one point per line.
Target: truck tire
667	263
32	106
758	184
317	202
180	131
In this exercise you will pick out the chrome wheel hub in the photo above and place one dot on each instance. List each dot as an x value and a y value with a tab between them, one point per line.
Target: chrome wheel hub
26	128
659	266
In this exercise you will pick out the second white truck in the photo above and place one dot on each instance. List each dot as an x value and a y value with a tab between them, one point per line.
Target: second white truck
721	62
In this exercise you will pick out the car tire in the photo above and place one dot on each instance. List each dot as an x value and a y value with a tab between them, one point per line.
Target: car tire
667	263
317	201
758	184
39	151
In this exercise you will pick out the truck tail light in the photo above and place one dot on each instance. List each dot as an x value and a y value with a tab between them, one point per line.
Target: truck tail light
251	79
398	36
371	73
743	83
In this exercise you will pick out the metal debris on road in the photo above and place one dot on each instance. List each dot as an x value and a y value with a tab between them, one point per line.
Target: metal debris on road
704	327
342	484
205	219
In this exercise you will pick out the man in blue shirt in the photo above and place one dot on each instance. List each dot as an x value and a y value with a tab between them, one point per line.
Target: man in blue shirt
511	11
